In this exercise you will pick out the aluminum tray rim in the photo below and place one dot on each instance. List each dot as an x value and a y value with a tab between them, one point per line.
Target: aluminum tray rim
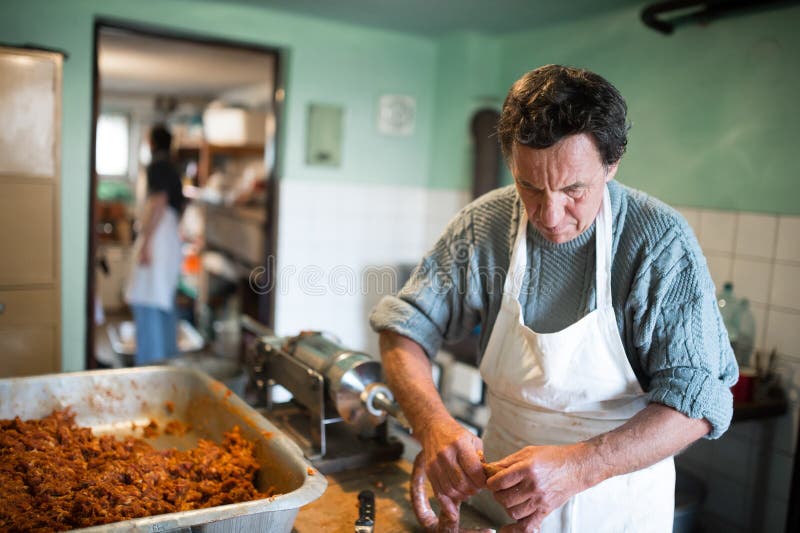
313	485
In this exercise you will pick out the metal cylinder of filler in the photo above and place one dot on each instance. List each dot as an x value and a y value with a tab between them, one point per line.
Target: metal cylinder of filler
353	379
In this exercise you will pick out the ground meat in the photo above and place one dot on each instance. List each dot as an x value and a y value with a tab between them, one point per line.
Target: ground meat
55	475
151	430
177	428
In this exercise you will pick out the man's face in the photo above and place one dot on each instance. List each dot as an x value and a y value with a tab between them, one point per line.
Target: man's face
561	186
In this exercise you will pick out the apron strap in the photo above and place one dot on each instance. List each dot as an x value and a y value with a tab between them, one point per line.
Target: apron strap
602	237
519	257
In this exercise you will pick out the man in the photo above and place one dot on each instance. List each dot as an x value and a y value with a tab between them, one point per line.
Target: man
157	252
602	346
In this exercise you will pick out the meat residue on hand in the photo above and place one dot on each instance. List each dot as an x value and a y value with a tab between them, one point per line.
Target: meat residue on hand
489	469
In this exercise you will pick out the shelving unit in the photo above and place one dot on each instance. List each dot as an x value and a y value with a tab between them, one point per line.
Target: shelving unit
242	234
205	153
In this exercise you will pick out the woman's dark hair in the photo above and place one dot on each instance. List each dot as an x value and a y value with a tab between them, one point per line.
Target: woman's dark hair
552	102
160	138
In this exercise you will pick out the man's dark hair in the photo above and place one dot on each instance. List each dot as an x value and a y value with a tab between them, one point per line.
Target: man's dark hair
160	138
552	102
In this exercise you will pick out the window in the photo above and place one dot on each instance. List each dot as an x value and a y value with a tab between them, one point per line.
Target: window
112	147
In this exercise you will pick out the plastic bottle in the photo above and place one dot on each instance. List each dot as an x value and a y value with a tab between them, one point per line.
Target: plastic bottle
746	334
729	309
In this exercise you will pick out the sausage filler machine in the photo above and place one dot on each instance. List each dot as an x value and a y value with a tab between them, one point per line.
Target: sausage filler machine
339	408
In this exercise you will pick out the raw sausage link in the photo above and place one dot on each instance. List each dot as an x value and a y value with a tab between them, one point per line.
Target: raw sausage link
422	508
419	499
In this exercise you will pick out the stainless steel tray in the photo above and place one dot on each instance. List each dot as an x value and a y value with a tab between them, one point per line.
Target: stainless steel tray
110	401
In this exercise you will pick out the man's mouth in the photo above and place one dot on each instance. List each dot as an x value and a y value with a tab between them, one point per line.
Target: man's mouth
550	231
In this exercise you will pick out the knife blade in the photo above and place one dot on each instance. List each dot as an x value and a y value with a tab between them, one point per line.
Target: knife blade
366	512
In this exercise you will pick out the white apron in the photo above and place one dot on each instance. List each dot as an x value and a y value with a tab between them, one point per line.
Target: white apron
154	285
566	387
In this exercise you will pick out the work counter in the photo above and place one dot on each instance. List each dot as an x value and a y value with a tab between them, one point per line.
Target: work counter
337	509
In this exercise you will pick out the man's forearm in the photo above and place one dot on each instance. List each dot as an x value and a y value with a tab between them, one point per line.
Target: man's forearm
655	433
450	453
408	373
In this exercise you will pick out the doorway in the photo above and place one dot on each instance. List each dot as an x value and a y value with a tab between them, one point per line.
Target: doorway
221	102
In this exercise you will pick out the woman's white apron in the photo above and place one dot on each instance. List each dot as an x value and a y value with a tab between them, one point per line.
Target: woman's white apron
154	284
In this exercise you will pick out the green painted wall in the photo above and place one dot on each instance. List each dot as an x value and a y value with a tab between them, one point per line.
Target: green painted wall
714	108
327	62
466	82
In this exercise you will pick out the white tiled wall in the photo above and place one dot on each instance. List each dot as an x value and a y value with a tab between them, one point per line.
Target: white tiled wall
760	254
337	247
788	243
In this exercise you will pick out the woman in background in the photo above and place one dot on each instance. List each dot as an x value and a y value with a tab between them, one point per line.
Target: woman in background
157	253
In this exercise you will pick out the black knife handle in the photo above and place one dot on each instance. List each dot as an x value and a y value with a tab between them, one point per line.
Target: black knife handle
366	508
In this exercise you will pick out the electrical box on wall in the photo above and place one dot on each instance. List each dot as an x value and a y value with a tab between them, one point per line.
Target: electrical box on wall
324	136
396	115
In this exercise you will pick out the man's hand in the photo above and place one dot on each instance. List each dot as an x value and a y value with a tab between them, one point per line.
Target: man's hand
452	461
449	452
537	480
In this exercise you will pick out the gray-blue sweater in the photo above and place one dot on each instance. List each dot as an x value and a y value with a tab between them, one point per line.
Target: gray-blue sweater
663	296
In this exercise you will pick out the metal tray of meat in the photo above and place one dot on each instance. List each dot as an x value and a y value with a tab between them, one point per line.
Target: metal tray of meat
112	401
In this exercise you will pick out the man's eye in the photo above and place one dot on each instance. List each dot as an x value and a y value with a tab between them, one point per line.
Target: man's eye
577	192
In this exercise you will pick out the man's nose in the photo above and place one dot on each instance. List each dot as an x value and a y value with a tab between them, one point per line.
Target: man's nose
551	212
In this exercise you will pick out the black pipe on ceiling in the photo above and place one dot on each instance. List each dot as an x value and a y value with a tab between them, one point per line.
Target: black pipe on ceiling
700	11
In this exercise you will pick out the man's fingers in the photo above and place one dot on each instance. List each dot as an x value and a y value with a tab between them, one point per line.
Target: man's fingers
532	523
450	509
447	480
511	497
452	462
435	477
472	467
522	511
458	483
505	479
508	460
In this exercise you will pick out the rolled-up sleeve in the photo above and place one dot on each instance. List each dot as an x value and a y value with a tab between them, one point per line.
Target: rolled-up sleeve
697	394
680	336
442	298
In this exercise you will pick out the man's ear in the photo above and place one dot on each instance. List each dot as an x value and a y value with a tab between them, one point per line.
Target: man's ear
612	171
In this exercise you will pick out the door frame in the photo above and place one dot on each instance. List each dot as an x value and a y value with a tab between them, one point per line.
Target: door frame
267	306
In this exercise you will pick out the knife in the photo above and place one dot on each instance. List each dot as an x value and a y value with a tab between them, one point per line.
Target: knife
366	512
